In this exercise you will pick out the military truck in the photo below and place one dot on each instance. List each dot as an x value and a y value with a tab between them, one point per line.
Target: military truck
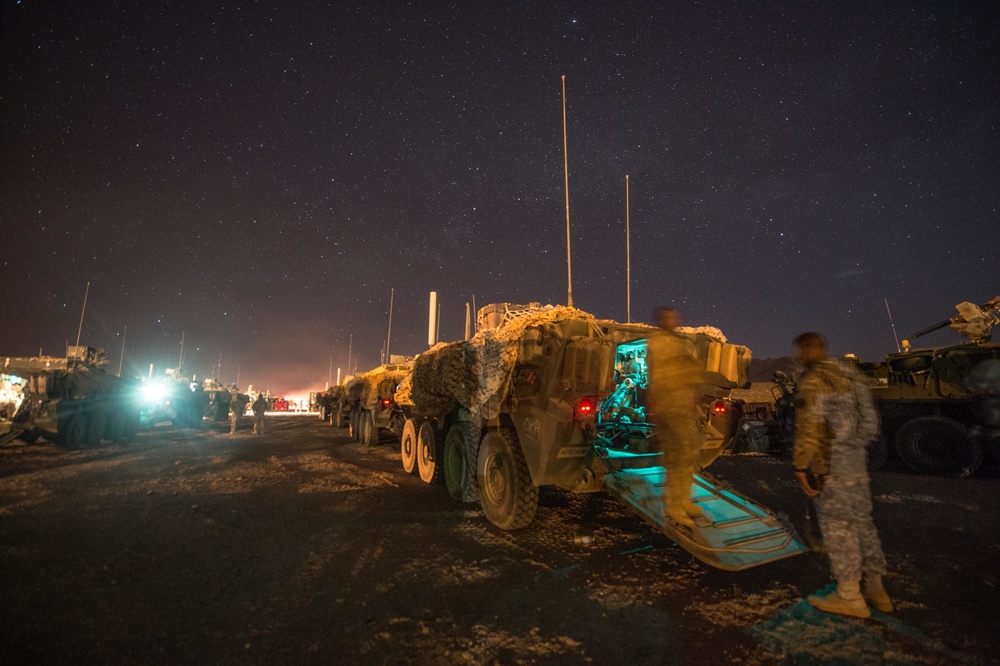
535	399
366	403
940	406
71	401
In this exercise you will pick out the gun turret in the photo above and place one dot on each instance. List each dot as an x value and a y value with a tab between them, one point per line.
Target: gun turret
973	321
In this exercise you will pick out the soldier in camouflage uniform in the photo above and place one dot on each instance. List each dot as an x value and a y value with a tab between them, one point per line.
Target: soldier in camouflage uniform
834	421
675	382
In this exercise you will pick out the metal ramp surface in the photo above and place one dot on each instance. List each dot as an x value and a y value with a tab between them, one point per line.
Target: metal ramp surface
735	534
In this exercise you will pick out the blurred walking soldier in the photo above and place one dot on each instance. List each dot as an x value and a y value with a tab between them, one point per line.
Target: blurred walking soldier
259	409
835	419
673	398
237	406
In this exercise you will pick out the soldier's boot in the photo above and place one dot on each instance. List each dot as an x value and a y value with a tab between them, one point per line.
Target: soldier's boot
676	513
874	593
692	509
846	599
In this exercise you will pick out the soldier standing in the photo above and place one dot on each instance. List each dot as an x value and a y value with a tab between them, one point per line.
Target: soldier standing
237	405
834	421
259	410
675	381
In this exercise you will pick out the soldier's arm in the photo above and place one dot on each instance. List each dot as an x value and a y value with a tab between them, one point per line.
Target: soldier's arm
808	424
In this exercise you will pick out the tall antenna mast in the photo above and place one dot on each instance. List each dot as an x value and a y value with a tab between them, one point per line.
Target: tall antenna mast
389	335
121	359
628	257
350	343
893	324
180	361
569	263
80	328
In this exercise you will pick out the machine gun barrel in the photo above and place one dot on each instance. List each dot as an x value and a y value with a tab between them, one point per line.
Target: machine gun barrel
931	329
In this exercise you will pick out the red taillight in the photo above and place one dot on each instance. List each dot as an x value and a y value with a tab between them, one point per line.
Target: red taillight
585	407
719	408
386	402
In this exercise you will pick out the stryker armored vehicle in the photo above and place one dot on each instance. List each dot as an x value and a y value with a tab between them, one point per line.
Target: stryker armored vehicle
940	406
71	401
551	396
366	403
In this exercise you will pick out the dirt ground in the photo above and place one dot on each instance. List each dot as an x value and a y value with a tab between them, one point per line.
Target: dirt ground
301	546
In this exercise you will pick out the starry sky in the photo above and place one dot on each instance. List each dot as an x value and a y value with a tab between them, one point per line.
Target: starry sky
262	177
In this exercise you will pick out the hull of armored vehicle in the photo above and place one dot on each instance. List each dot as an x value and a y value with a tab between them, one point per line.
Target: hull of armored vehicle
939	406
528	403
70	401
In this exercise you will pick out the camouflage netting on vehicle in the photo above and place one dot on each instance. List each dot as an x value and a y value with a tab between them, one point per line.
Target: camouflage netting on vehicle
367	389
710	331
476	373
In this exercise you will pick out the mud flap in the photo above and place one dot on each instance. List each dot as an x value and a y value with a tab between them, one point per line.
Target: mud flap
735	533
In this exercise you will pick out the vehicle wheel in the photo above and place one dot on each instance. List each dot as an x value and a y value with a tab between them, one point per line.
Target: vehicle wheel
73	434
508	497
117	426
408	446
29	436
323	413
96	425
430	453
369	431
340	417
355	424
878	453
461	445
938	445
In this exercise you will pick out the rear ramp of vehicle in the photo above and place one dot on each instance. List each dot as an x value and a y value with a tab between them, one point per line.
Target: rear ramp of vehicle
735	534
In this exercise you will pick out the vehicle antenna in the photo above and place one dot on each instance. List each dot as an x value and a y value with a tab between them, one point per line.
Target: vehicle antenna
628	258
893	325
569	263
121	359
350	343
388	337
180	362
80	328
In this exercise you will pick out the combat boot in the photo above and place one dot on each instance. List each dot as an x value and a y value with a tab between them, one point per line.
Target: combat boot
846	599
681	518
876	596
692	509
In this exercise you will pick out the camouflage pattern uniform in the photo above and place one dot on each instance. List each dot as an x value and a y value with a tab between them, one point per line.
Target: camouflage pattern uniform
835	419
673	398
237	406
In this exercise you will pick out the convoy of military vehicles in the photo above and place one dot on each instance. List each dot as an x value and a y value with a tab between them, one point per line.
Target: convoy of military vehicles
550	396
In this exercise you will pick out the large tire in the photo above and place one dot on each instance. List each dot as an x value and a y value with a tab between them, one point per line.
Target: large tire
323	412
355	424
508	496
369	431
73	434
430	453
878	453
118	426
461	445
938	445
408	446
340	418
96	425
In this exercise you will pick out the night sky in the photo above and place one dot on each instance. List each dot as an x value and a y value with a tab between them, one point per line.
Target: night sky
259	176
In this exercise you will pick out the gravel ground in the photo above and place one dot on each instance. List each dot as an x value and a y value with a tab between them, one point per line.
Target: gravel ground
301	546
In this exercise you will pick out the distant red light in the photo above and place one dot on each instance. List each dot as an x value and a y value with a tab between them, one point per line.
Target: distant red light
586	407
719	407
386	402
